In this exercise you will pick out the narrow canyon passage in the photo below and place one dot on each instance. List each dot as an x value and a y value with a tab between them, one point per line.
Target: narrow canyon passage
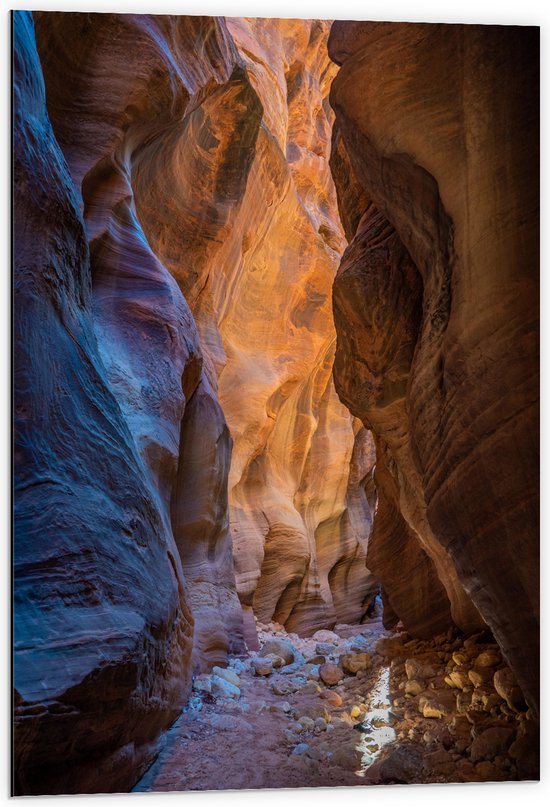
276	403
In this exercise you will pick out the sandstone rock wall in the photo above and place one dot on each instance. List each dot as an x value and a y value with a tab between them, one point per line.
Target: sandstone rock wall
299	535
135	93
435	158
223	165
176	242
102	628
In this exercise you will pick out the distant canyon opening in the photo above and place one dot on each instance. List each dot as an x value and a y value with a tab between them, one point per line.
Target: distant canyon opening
282	492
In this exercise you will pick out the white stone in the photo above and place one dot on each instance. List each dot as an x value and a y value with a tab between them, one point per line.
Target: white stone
228	675
222	688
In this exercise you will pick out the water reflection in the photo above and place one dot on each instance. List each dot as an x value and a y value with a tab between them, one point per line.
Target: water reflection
376	731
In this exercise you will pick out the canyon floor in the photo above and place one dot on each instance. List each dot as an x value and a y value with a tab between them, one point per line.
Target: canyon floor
360	706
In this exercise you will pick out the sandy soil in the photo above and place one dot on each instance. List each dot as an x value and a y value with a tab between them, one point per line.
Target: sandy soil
375	732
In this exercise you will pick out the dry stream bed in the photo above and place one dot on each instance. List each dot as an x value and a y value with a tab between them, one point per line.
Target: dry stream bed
356	706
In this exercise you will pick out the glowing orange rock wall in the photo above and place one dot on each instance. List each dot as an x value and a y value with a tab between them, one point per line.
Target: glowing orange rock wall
299	547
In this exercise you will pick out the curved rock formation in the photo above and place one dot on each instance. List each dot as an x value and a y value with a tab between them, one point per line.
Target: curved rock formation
200	520
102	629
176	296
181	451
223	161
299	543
129	151
435	159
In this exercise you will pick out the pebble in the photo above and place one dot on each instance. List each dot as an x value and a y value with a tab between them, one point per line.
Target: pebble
300	749
307	723
403	764
415	669
489	658
281	648
284	687
331	697
480	677
195	703
238	665
490	700
310	688
277	661
507	687
414	687
325	648
228	675
491	743
326	636
352	663
432	710
359	644
330	673
439	703
222	688
262	666
280	708
465	769
202	683
463	701
458	678
316	660
315	710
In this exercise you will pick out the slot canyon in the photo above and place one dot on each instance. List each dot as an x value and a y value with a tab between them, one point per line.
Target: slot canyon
276	403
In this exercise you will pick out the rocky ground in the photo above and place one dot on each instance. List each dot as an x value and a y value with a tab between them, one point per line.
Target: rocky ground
356	706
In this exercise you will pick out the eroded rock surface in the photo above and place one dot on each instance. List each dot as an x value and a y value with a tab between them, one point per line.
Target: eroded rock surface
298	496
127	151
103	631
435	158
183	460
174	285
216	171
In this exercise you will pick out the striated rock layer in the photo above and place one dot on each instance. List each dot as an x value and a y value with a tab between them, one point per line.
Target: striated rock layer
176	241
435	158
299	511
220	165
102	629
135	96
